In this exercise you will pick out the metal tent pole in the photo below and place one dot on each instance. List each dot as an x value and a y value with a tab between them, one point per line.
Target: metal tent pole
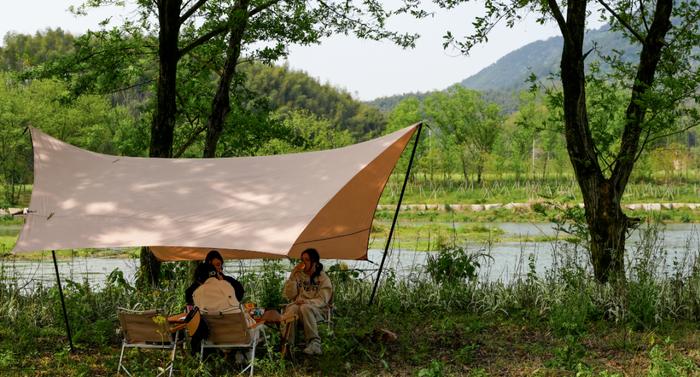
396	213
63	302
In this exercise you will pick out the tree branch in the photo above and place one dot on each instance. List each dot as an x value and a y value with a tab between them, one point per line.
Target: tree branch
191	11
190	140
197	131
676	132
680	30
622	21
649	59
642	13
202	39
559	17
262	7
138	84
643	146
344	16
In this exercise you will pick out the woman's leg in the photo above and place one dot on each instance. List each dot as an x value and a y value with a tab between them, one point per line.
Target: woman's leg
310	315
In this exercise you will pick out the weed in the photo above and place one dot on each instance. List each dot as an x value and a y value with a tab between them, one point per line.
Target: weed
665	362
436	369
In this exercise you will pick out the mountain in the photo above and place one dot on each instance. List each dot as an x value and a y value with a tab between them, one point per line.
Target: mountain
541	58
501	81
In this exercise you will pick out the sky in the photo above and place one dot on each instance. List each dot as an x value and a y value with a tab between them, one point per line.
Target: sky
366	69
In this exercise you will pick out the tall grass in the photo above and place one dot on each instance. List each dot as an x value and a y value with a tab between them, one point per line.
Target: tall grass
660	289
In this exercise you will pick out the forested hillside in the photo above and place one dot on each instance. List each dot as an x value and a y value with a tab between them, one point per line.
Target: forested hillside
541	58
288	89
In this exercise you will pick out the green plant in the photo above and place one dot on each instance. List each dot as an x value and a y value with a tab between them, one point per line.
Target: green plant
453	264
341	274
667	363
569	355
582	370
465	355
572	221
570	316
271	281
436	369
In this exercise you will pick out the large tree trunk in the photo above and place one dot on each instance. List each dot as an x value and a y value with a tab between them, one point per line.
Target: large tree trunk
163	124
149	276
221	105
607	223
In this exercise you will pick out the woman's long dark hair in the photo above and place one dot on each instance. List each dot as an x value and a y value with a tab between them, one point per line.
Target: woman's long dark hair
315	258
214	254
203	272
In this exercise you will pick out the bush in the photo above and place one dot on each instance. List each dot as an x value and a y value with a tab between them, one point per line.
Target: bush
453	265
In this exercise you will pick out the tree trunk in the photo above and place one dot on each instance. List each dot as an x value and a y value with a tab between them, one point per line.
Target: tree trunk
221	105
544	167
163	124
479	170
149	275
607	223
465	171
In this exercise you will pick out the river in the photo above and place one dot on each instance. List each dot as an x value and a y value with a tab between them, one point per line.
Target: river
505	261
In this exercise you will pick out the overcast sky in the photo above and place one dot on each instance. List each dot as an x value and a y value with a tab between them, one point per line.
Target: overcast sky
366	69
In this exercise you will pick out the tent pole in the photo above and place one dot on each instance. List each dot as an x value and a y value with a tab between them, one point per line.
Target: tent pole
63	302
396	213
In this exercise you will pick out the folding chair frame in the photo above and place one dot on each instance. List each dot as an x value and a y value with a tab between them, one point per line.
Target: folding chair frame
251	345
170	344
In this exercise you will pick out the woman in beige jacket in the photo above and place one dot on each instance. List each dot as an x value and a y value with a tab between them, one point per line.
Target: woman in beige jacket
309	290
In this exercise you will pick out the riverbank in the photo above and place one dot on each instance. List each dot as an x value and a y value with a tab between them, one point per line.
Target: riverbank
424	227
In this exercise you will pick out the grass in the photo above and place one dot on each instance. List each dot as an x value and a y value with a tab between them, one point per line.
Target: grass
563	190
460	345
561	323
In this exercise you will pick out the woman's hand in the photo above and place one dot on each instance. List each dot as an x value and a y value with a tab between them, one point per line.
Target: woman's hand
298	268
300	301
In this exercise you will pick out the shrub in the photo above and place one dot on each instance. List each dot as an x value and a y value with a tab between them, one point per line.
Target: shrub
453	265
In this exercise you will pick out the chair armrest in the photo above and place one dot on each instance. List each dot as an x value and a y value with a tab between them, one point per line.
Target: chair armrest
177	327
256	324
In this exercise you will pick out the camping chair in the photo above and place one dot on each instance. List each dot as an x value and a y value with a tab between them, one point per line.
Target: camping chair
140	330
231	330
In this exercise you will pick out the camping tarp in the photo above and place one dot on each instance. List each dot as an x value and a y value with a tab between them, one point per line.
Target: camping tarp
246	207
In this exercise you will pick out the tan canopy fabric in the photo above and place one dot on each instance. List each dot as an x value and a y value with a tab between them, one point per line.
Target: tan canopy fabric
246	207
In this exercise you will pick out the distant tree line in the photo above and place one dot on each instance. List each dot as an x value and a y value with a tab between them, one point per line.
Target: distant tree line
471	139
